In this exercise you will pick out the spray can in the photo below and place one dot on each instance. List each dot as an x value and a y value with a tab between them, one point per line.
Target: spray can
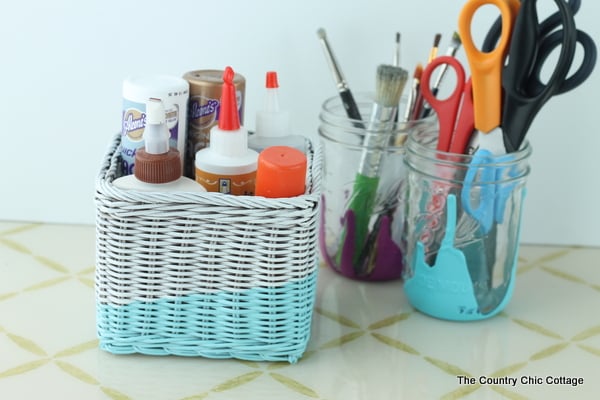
173	92
204	108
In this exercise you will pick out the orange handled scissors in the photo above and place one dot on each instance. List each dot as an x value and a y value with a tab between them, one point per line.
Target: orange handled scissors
486	68
455	113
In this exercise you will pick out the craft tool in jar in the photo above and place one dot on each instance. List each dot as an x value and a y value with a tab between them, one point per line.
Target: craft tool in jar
344	90
453	48
390	82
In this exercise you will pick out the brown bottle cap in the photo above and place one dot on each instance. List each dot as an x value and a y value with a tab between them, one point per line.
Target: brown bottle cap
157	168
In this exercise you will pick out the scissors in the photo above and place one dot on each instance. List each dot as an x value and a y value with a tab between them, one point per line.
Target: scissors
533	42
486	78
527	43
455	113
545	27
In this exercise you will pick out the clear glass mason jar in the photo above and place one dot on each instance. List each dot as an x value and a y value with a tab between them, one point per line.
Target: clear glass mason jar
363	243
462	227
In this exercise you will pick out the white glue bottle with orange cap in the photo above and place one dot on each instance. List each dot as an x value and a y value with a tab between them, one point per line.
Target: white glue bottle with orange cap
157	165
273	123
227	165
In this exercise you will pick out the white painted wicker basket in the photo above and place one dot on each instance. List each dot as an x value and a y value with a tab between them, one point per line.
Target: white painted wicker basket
205	274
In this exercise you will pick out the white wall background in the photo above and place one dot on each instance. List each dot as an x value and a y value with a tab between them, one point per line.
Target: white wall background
63	63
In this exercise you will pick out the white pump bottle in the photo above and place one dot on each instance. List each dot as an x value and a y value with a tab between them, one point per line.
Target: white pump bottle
157	166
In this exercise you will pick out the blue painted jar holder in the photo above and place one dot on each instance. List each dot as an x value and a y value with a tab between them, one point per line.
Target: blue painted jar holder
205	274
462	229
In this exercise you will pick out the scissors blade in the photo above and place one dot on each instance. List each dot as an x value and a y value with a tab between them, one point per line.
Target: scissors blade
478	191
466	122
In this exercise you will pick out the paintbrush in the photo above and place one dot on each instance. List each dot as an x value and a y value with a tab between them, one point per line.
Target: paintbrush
342	86
367	256
396	63
390	83
434	49
396	60
420	105
455	44
414	92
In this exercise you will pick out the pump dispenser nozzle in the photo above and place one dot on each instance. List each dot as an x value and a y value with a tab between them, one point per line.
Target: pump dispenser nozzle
157	162
156	139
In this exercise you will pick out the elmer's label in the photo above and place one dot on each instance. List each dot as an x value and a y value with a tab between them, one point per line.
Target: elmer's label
242	184
132	130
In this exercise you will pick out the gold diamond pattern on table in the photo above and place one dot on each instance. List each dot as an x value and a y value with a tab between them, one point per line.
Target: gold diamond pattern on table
367	342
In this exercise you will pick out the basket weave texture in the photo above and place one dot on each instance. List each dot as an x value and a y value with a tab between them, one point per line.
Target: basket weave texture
205	274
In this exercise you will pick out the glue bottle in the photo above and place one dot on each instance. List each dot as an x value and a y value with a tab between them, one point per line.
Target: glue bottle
157	165
227	165
272	123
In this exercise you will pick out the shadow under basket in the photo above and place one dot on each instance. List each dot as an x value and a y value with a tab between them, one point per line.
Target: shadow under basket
205	274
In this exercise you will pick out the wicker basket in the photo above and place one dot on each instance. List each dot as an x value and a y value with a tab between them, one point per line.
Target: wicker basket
205	274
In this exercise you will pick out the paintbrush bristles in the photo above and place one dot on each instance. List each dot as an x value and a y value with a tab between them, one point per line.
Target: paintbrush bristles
414	92
390	84
418	72
455	44
456	39
434	49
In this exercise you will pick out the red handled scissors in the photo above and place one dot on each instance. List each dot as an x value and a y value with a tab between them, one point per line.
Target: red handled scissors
455	113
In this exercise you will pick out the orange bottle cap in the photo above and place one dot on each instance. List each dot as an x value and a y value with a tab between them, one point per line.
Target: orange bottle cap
281	172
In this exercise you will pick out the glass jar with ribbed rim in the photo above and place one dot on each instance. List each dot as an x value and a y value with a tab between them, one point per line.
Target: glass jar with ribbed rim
462	228
362	208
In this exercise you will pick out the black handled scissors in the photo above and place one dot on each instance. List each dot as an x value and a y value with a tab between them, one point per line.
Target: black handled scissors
532	42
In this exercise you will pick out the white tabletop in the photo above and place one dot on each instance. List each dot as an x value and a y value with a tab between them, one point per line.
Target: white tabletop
366	343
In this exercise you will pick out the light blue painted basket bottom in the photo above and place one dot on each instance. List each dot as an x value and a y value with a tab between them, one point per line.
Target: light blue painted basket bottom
263	323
